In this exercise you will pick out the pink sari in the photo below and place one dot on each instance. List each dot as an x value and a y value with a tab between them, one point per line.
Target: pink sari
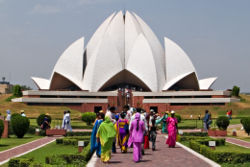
172	131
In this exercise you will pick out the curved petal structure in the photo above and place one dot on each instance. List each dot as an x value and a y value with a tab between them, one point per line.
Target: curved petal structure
41	83
207	83
70	64
142	64
123	52
177	64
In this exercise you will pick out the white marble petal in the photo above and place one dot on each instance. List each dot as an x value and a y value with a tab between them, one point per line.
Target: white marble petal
142	64
207	83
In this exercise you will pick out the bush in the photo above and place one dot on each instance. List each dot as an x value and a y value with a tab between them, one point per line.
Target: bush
236	91
88	117
19	125
20	162
1	127
40	119
246	124
17	91
72	141
201	134
178	118
222	122
78	133
32	130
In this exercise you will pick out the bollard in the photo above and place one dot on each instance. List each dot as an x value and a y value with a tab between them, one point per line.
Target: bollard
80	146
234	132
37	131
6	129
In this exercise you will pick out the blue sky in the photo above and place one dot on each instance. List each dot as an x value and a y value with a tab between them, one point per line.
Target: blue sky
215	34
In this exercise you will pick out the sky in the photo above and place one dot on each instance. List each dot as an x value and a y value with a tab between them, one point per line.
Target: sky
215	34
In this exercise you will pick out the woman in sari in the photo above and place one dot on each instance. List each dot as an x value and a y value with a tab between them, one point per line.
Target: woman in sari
94	144
137	131
122	132
172	130
106	135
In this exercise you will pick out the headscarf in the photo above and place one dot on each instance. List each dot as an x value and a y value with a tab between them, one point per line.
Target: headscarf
106	130
137	118
8	111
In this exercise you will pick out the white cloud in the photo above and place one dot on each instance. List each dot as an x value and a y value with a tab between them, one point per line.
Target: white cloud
45	9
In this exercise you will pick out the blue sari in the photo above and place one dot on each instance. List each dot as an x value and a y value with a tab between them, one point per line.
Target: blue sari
94	144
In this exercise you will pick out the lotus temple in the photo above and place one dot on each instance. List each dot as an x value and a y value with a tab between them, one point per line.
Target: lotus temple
124	63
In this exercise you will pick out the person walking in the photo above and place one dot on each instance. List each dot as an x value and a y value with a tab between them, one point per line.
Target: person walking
137	130
94	145
206	120
122	132
22	113
106	135
172	130
8	118
67	122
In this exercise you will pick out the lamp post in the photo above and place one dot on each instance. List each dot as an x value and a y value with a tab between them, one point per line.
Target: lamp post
80	146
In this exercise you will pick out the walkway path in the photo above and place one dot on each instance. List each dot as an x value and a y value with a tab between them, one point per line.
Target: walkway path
24	149
238	142
162	157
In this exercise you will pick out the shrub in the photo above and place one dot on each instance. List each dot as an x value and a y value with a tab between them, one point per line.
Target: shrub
178	118
222	122
40	119
246	124
78	133
88	117
19	125
201	134
31	130
20	162
236	91
1	128
17	91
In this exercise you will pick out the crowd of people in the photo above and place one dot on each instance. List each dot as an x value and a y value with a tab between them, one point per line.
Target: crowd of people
132	128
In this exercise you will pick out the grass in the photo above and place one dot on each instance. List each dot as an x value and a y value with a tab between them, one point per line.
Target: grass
33	111
240	109
13	141
39	155
233	147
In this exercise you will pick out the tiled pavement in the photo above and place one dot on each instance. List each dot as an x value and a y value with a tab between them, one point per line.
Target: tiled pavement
238	142
162	157
19	150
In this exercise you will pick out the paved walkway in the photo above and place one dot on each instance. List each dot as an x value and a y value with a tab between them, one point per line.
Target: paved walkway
162	157
24	149
82	130
238	142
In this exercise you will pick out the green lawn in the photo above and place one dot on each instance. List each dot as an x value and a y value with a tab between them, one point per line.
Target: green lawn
49	150
13	141
199	123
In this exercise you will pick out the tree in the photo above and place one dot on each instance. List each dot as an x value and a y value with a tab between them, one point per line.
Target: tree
17	91
236	91
246	124
88	117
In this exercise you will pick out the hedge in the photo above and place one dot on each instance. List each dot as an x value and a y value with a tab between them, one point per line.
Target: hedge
78	133
195	134
71	159
72	141
20	162
82	127
220	157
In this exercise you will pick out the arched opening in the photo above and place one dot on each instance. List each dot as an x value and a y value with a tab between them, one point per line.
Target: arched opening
125	79
189	82
60	82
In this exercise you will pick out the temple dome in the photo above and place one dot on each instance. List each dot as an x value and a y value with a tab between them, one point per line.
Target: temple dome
123	51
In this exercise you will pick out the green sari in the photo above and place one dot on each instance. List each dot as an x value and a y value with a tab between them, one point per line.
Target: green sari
107	134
